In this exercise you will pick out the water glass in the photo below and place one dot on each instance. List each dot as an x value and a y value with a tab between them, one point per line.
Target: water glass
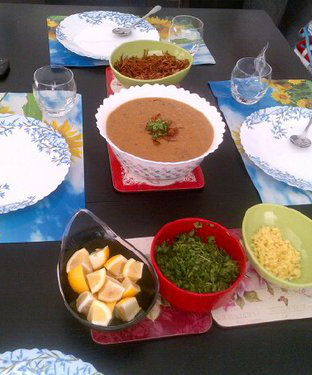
186	31
55	89
248	85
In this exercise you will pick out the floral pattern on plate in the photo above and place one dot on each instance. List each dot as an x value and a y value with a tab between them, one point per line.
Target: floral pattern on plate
90	33
45	220
35	157
44	362
265	136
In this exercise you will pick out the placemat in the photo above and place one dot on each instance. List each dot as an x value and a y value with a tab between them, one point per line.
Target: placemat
46	220
171	322
163	321
256	300
281	92
59	55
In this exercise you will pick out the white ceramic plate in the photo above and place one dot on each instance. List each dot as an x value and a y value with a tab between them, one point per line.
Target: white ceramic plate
43	361
265	138
160	173
90	33
34	160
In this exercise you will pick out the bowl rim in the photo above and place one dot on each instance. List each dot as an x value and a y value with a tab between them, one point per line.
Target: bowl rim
210	150
151	81
188	292
277	281
84	321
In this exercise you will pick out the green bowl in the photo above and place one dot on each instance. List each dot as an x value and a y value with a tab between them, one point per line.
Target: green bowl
137	47
295	227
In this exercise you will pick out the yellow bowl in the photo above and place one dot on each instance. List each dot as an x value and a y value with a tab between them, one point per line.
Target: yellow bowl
295	227
137	48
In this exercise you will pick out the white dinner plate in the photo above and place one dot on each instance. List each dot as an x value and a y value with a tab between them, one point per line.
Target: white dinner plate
90	33
265	139
34	160
44	362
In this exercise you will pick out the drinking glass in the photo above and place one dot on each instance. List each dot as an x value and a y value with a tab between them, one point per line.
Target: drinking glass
55	90
248	85
186	31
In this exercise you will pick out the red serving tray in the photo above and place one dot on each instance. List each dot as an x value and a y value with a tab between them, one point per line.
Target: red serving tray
117	170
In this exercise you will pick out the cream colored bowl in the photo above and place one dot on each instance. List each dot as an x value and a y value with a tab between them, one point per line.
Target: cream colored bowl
152	172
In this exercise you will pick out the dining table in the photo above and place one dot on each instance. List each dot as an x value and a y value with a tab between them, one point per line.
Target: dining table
32	312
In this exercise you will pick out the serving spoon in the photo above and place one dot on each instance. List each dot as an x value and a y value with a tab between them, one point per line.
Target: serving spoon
125	31
301	140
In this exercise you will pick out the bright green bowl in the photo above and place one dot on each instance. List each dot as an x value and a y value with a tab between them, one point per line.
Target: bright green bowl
137	47
295	227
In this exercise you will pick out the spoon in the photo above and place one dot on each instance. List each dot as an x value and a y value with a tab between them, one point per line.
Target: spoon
125	31
301	140
260	60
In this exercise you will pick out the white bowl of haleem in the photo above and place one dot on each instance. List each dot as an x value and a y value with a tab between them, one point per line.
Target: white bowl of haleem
160	134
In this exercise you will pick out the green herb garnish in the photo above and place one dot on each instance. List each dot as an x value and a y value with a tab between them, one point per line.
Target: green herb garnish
197	266
198	225
159	128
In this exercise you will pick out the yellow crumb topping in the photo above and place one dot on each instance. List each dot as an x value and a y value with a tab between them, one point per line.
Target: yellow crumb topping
276	254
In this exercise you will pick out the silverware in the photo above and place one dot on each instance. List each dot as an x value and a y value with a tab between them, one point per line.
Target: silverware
301	140
125	31
260	60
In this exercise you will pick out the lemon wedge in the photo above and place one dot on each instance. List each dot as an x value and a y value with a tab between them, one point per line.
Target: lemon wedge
84	301
77	281
127	308
80	257
96	280
115	264
99	257
112	290
99	313
133	269
111	305
131	289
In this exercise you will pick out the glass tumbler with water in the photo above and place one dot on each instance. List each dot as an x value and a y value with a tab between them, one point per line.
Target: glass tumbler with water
186	31
55	90
249	83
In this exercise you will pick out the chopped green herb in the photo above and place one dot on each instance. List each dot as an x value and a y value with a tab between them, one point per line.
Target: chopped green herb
198	225
197	266
159	128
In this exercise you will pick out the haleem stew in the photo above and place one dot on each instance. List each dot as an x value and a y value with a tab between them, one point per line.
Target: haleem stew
160	129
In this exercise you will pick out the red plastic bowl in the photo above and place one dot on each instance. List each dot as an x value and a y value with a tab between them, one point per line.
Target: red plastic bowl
184	299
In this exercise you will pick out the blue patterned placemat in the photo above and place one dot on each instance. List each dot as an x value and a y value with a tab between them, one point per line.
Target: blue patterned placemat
59	55
285	92
46	220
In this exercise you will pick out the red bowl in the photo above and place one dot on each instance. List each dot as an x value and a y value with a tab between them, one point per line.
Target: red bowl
184	299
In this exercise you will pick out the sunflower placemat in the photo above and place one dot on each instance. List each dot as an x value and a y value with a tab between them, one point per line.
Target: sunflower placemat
46	219
295	93
59	55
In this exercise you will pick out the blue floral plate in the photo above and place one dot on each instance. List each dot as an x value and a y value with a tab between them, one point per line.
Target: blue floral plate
265	138
34	160
43	362
90	33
